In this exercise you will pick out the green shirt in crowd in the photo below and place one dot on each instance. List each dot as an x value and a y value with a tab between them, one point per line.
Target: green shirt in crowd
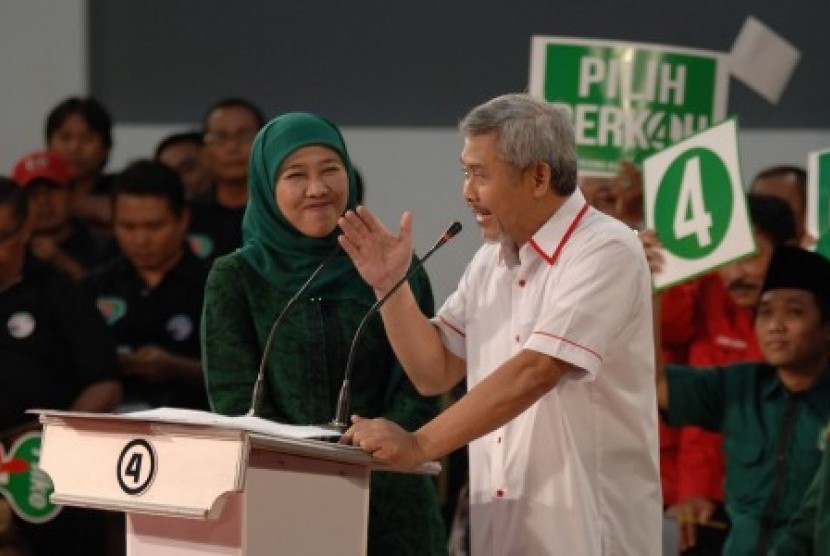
304	374
809	531
771	440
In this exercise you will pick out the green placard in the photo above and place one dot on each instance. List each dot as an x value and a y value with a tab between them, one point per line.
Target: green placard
628	100
691	219
818	199
696	205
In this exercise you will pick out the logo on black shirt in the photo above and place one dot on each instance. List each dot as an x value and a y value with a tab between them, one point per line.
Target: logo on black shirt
113	308
180	327
21	325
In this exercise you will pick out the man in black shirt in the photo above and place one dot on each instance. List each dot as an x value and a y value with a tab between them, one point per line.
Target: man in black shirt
55	353
183	153
229	127
151	295
58	239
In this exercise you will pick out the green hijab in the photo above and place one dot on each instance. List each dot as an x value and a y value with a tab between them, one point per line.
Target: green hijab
279	252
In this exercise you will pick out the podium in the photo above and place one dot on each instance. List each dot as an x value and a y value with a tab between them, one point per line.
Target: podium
199	483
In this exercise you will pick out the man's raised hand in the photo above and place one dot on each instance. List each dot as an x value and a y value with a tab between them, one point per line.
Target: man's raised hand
380	257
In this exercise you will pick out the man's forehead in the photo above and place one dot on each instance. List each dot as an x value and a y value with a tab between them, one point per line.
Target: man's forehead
479	148
786	294
231	117
127	203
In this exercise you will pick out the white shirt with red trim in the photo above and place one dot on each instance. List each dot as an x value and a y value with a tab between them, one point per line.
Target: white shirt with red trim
576	473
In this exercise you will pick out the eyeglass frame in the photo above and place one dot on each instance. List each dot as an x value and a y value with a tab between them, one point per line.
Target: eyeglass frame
219	138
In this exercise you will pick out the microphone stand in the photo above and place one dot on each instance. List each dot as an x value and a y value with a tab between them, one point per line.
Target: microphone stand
259	385
341	416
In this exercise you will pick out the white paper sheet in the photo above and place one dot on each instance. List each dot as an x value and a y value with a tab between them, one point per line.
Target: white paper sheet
242	422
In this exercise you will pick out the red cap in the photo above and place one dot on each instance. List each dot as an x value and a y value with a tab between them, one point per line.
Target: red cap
41	165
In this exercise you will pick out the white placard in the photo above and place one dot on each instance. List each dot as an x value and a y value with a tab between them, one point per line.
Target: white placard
695	203
763	59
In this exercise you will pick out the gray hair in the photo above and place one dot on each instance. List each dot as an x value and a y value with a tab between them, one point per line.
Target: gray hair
529	131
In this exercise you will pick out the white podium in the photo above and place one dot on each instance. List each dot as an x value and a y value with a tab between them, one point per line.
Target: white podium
210	484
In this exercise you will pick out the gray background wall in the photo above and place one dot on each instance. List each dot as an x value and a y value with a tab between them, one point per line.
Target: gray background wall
396	75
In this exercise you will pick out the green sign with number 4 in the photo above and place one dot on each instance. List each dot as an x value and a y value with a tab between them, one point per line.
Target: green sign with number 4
695	203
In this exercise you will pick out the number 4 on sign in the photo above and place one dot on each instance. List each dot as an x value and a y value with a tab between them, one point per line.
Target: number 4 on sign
691	217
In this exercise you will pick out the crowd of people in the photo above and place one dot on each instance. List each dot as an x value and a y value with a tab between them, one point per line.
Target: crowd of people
601	417
102	281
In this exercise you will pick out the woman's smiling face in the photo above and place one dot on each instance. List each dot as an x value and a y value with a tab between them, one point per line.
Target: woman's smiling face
312	190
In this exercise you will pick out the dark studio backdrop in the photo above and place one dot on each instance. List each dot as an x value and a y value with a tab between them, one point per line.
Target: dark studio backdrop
404	64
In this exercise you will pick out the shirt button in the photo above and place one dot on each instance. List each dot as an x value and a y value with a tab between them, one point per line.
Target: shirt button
499	493
522	283
498	440
518	339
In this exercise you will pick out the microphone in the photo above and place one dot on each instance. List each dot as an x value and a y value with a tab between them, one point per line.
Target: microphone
341	415
259	385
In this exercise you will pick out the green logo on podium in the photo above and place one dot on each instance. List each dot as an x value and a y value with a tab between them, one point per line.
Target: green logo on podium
24	484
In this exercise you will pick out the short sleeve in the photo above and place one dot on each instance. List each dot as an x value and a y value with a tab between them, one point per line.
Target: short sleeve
696	396
603	287
452	315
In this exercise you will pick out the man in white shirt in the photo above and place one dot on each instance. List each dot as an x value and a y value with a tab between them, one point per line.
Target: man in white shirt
551	325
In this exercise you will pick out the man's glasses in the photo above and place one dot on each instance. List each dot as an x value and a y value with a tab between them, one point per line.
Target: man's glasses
221	138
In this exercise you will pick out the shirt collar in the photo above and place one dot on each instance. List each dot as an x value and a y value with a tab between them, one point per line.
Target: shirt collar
773	385
815	395
184	265
550	239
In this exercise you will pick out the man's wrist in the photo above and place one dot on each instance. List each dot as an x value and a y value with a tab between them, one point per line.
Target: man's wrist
421	448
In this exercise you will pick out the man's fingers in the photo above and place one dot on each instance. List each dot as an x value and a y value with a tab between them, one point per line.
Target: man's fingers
353	227
346	438
366	442
355	433
687	535
655	261
369	444
691	535
705	513
406	226
384	454
351	249
370	221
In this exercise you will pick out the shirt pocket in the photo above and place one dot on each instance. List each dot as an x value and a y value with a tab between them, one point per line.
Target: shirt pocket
749	474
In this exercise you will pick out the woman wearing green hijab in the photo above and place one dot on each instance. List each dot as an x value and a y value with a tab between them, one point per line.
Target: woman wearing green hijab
300	182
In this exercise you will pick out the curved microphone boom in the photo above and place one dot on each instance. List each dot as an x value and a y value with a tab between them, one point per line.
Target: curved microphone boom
341	414
256	397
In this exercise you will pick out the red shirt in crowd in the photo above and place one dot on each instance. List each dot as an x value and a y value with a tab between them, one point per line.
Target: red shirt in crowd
702	327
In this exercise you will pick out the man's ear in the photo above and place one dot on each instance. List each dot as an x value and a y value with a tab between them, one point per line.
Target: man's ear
541	175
